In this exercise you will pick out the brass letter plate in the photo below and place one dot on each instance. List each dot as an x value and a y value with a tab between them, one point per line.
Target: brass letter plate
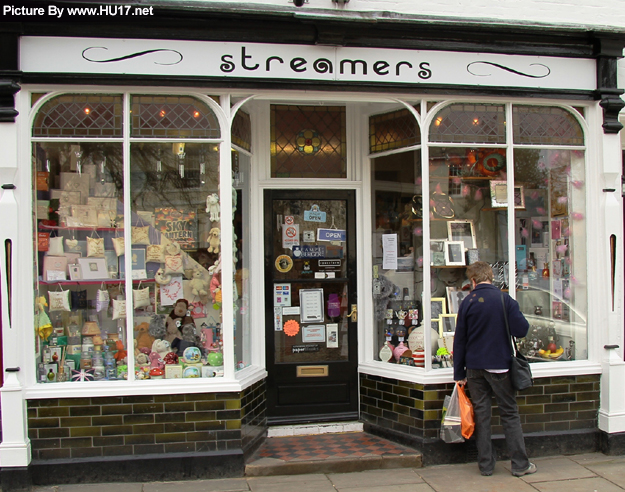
312	371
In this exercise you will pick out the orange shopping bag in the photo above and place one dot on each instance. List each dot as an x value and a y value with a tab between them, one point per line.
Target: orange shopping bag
466	413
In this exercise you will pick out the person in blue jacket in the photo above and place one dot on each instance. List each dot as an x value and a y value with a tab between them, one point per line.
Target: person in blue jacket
482	356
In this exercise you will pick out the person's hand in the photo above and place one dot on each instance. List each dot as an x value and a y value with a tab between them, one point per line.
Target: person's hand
462	382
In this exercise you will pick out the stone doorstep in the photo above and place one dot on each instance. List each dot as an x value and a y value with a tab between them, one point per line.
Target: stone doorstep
314	429
265	467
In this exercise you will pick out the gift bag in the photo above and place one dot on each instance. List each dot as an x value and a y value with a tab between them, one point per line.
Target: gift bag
451	424
466	413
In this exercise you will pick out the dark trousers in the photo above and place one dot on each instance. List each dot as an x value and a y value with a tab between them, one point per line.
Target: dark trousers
482	385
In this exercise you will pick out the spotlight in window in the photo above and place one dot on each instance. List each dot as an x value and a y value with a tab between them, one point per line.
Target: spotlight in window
438	121
476	121
196	114
162	113
87	110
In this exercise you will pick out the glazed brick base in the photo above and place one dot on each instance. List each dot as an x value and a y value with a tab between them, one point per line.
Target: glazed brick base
555	413
138	438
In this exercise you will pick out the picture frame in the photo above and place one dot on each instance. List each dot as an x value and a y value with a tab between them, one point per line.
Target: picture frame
74	272
437	252
540	232
138	264
462	230
447	325
499	195
454	253
86	215
454	297
437	307
92	268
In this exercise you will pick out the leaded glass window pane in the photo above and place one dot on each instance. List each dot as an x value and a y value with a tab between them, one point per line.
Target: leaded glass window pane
308	142
80	115
172	117
469	123
393	130
546	126
242	131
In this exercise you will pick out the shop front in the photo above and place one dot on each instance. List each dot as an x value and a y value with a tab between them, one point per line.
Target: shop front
203	238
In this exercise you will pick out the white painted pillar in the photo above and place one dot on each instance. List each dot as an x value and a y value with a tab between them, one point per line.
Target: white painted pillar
15	447
612	408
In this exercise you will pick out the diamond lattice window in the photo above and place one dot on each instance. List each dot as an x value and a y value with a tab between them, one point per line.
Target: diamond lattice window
80	115
545	125
172	117
308	142
242	131
394	130
469	123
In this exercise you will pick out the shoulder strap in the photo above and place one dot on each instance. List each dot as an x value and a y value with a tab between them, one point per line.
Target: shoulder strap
505	317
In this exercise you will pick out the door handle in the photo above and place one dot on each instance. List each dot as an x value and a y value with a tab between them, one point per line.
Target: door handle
354	313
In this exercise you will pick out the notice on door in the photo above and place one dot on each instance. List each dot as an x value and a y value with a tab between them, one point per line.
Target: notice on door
389	251
311	305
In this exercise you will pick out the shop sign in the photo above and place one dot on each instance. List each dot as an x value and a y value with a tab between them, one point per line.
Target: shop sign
309	251
314	214
172	58
331	235
329	263
290	235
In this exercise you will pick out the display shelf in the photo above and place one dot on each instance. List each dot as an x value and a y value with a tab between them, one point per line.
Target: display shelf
466	178
95	282
92	228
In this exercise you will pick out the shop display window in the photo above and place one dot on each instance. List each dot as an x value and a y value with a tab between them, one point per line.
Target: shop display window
149	283
467	215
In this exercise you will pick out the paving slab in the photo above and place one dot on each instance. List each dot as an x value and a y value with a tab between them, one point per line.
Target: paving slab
467	478
551	469
219	485
596	484
408	487
291	483
590	458
100	487
374	478
613	471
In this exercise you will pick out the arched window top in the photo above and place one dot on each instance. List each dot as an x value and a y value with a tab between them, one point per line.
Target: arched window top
469	123
548	125
80	115
394	130
155	116
242	130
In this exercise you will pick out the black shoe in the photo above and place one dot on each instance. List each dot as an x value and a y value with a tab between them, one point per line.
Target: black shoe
486	474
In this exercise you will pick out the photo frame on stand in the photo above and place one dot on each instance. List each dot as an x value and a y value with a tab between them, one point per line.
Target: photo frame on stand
454	253
447	325
462	230
437	307
499	195
454	297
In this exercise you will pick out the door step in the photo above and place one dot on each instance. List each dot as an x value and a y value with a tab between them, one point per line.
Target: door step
314	429
329	453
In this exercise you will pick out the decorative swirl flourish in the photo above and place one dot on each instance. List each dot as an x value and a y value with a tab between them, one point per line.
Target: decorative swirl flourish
128	57
508	69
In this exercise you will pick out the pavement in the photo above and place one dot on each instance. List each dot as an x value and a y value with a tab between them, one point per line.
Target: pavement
593	472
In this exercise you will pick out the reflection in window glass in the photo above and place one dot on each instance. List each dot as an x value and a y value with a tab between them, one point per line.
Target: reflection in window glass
80	316
467	224
550	232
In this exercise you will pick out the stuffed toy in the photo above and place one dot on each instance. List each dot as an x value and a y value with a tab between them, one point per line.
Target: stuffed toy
161	347
142	359
171	358
189	339
121	354
214	240
161	278
157	327
144	338
180	314
199	286
212	207
172	332
42	320
156	361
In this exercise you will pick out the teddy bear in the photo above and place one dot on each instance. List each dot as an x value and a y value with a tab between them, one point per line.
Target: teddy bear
157	327
198	284
212	207
142	359
156	361
161	347
189	339
180	313
144	338
214	240
173	331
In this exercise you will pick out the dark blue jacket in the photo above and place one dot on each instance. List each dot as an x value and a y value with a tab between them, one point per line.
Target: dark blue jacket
481	341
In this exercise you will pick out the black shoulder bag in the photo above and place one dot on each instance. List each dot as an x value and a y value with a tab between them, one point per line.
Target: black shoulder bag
520	372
